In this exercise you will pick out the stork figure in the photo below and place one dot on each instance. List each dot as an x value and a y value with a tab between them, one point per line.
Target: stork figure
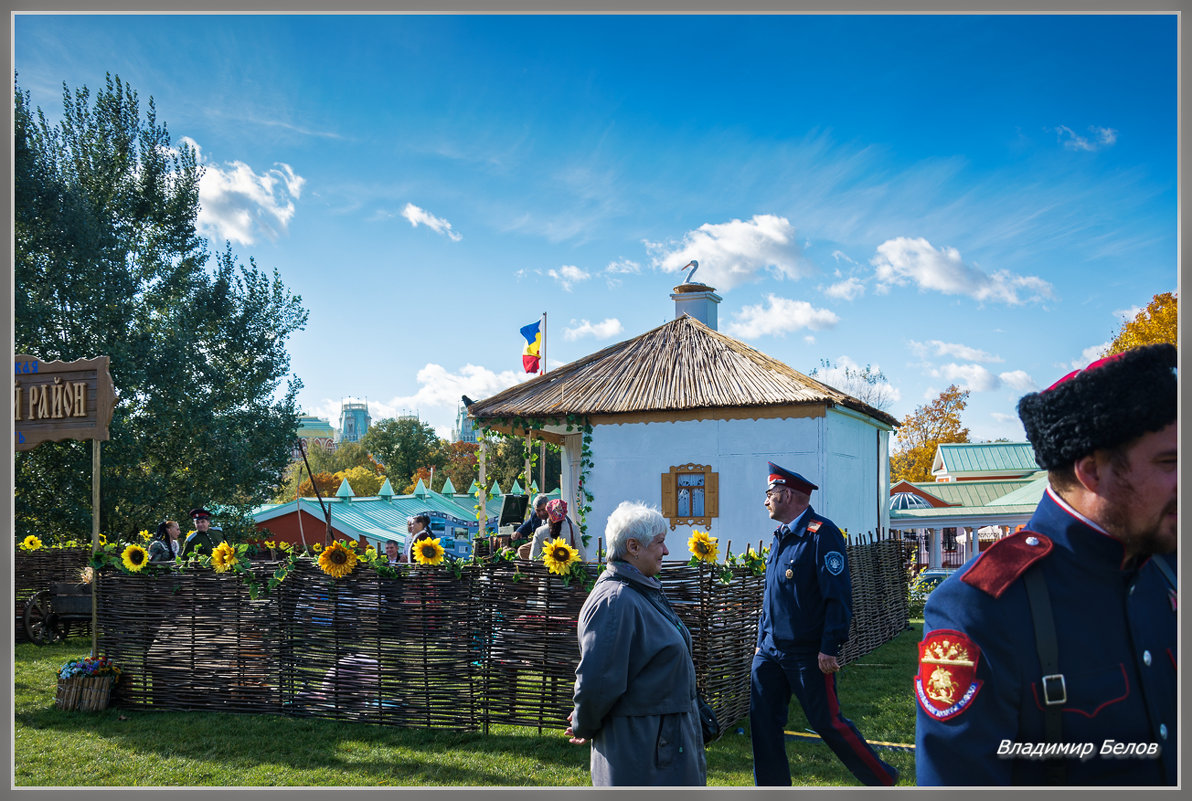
694	265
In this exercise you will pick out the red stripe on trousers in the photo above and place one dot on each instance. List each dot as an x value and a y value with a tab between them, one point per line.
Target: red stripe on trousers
849	737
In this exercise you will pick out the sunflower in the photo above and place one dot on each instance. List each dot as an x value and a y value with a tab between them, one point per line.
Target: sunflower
223	557
134	557
103	540
702	546
559	556
337	561
318	547
31	543
270	544
428	552
145	535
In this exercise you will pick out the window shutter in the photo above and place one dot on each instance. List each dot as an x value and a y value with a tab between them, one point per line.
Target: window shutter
669	509
711	494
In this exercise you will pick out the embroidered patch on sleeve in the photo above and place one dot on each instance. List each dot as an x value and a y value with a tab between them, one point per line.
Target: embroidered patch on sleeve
947	680
834	561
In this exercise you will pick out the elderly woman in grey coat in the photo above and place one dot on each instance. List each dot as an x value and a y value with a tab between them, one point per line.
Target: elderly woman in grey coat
635	696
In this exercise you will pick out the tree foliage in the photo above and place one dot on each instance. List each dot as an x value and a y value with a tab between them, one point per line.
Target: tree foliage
924	430
403	445
108	262
363	480
322	460
1157	323
327	483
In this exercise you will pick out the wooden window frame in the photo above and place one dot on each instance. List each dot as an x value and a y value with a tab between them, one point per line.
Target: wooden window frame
670	496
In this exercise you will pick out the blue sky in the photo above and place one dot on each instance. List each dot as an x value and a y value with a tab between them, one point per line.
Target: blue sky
977	200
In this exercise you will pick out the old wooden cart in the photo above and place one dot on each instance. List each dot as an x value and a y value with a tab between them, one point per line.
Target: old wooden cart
49	613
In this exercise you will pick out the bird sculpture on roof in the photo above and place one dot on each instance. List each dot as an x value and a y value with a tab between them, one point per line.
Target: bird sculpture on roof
694	265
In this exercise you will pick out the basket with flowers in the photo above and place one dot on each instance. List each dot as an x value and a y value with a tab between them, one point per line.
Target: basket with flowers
86	684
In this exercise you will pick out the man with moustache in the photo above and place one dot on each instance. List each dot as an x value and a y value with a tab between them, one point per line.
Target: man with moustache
1051	657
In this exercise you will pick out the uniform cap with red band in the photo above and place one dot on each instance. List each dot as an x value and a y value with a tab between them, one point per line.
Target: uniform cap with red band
781	477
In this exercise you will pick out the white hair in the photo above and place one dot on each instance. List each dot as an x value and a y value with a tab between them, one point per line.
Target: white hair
632	520
539	500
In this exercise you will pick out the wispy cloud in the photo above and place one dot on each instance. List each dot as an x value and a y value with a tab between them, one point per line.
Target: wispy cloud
1098	138
1087	357
734	252
779	316
952	349
902	260
568	275
237	204
602	330
419	216
849	289
968	376
1019	380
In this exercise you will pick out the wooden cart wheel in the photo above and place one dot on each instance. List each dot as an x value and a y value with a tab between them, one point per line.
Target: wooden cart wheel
41	624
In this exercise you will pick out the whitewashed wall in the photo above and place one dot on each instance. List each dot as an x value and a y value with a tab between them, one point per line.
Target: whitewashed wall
845	454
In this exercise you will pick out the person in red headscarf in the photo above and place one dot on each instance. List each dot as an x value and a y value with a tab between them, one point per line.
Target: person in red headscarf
558	525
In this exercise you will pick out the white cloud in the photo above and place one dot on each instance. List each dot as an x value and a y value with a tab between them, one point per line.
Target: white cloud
602	330
839	256
849	289
236	203
953	349
779	316
418	216
1019	380
569	275
623	267
734	252
968	376
1087	356
1100	138
905	259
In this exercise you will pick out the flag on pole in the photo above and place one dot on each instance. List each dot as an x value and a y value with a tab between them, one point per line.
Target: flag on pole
530	354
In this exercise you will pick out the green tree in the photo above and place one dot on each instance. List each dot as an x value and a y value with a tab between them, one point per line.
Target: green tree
1157	323
403	445
108	262
924	430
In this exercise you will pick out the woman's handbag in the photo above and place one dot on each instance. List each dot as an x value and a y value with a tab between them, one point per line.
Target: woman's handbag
707	719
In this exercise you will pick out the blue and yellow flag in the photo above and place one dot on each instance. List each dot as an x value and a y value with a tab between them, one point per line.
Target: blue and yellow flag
530	354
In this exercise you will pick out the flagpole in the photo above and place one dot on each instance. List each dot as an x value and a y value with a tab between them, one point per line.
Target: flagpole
542	362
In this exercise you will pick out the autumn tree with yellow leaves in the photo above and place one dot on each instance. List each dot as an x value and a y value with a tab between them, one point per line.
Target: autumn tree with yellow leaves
1155	324
924	430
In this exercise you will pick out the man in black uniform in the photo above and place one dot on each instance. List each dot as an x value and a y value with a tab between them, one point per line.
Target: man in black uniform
1051	657
806	609
203	540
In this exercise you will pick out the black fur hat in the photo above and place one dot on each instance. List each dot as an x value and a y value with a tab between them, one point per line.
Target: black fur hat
1110	402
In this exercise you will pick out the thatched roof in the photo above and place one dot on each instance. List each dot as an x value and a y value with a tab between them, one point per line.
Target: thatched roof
681	365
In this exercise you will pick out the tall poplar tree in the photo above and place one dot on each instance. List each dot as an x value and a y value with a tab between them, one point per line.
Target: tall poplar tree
109	262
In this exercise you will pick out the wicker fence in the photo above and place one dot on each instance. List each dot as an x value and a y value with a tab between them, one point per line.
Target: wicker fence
34	571
426	649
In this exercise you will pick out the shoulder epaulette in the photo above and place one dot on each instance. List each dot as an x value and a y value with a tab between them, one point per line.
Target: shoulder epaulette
1005	561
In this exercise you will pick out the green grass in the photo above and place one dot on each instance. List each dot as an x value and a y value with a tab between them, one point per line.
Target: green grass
127	747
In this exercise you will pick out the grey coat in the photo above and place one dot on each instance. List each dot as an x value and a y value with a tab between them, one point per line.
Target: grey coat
635	695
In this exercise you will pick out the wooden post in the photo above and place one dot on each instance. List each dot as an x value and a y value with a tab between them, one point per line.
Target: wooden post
94	545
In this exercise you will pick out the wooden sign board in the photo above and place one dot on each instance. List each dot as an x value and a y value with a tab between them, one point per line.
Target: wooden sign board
61	400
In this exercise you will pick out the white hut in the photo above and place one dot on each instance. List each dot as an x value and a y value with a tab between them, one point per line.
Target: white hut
685	418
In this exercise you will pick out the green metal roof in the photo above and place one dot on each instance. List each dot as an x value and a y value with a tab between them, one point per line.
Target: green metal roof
1030	493
972	493
959	458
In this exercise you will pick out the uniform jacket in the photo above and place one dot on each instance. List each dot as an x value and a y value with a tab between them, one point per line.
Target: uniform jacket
808	611
635	695
203	542
1116	631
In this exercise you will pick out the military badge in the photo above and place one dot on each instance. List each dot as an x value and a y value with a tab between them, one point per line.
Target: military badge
814	526
834	561
947	680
